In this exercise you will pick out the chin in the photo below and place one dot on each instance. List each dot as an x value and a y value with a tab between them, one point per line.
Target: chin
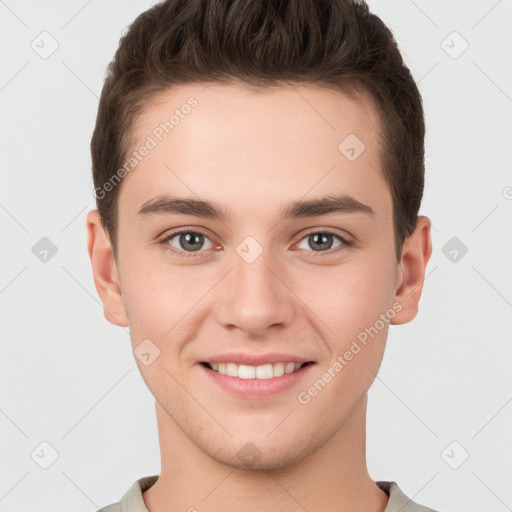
262	454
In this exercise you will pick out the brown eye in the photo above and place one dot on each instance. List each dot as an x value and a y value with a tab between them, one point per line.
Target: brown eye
187	242
190	241
321	241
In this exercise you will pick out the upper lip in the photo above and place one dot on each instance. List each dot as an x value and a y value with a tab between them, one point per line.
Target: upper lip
256	359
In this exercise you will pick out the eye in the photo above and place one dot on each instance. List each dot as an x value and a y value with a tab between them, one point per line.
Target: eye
185	243
322	241
188	243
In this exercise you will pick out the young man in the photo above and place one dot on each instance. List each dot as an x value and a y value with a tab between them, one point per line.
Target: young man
233	140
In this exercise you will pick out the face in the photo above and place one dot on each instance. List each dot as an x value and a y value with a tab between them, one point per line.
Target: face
288	258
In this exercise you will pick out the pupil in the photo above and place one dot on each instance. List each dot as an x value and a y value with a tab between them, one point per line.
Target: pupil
319	238
190	239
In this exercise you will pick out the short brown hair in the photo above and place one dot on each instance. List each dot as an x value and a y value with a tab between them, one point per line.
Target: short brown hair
337	44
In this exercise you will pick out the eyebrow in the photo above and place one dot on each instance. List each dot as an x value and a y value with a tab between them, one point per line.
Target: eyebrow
165	204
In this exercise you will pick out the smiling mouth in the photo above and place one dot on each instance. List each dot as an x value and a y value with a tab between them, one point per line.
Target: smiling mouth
263	372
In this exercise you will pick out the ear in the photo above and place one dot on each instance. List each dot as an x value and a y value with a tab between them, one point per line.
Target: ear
104	269
416	252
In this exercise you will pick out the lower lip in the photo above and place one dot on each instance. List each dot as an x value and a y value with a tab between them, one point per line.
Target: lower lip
256	388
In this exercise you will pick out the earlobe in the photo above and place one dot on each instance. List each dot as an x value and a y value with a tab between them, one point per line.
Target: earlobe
106	277
416	252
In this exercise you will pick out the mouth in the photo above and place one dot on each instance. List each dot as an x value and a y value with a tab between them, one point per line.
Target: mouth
262	372
245	382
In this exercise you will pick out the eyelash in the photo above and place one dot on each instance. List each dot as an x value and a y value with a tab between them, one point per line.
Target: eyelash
187	254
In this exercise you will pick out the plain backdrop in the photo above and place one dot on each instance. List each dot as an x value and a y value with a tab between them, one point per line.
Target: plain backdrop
71	396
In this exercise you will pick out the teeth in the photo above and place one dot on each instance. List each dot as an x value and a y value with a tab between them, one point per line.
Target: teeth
232	370
243	371
265	371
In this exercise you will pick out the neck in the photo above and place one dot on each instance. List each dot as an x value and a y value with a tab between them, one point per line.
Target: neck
333	478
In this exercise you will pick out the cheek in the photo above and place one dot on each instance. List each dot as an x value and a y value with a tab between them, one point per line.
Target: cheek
342	299
348	298
161	299
355	310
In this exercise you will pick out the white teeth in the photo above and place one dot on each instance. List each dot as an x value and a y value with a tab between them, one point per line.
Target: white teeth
265	371
244	371
278	369
289	368
232	369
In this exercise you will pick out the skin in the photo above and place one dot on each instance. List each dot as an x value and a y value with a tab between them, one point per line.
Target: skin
252	152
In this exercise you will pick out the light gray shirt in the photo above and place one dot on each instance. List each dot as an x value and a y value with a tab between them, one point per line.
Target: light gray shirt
132	501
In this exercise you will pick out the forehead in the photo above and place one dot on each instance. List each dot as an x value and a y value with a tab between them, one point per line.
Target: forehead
300	112
264	147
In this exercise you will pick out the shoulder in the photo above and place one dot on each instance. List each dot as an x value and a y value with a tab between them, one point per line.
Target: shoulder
399	501
115	507
132	501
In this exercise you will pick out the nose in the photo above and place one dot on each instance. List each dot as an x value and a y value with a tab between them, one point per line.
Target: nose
255	297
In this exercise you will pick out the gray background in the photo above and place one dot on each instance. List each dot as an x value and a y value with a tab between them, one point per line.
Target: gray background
68	377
